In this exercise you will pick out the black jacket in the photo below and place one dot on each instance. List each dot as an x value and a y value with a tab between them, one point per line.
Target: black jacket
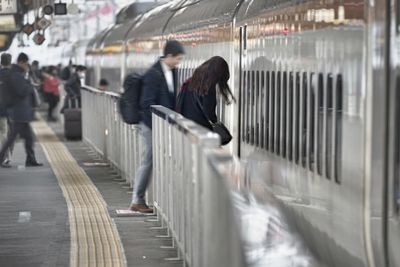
155	92
22	111
190	106
73	85
5	73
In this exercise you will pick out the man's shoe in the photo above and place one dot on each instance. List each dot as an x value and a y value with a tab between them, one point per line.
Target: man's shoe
5	165
33	164
143	208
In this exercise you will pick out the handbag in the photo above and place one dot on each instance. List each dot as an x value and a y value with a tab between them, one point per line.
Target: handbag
217	127
36	102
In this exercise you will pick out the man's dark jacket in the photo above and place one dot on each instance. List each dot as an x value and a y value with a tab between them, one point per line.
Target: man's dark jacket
73	85
22	110
155	92
5	73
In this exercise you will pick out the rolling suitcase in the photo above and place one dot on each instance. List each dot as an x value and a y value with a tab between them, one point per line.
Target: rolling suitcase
73	120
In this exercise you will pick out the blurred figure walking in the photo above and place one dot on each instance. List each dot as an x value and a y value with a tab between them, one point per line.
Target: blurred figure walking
52	91
5	125
20	111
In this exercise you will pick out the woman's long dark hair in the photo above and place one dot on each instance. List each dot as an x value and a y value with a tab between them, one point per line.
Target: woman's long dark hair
212	72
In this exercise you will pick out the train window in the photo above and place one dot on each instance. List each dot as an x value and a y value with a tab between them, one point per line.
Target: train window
278	113
248	103
267	109
338	128
312	118
296	117
252	92
284	113
243	105
272	113
320	121
290	116
329	125
303	133
257	110
263	107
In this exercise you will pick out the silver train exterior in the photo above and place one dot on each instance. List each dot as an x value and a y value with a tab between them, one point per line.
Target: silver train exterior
316	84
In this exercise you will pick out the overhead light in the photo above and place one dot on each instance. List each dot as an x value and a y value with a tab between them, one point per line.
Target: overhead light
8	23
4	39
60	8
48	10
73	9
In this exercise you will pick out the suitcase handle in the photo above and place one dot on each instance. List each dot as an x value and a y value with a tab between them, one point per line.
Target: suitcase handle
73	102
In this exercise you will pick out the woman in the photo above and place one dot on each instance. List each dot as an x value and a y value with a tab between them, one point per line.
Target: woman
197	99
51	89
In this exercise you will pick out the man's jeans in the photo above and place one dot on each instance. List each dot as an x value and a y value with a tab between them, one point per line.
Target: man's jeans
143	174
3	129
4	133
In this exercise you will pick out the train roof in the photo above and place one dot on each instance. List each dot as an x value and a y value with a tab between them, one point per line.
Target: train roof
201	14
134	10
153	22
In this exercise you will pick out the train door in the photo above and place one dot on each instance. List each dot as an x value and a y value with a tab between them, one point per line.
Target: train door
393	174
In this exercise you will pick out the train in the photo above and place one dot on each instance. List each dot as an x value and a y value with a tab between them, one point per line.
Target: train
317	104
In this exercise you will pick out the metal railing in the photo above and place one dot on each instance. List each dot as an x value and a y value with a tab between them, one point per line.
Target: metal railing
104	130
191	197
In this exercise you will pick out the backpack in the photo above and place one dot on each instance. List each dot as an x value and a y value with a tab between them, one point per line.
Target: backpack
181	96
129	103
7	97
65	74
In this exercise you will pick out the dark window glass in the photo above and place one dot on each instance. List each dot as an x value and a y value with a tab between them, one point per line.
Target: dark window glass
290	117
297	117
320	121
303	134
262	118
267	109
339	119
248	107
272	110
284	113
278	113
243	111
329	125
312	121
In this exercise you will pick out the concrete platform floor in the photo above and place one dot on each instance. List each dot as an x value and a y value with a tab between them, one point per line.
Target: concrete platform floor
34	228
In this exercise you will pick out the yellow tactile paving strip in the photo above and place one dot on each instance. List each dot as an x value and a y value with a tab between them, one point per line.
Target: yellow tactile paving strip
94	237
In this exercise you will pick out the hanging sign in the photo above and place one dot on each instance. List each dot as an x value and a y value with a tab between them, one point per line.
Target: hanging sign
27	28
8	7
43	23
38	38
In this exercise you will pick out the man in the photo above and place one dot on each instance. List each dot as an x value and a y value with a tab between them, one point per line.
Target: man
73	87
103	85
159	88
4	101
21	111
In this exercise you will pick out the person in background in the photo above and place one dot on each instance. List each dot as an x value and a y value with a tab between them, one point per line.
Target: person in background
59	69
4	102
198	95
21	111
103	85
159	88
51	89
35	74
67	71
73	87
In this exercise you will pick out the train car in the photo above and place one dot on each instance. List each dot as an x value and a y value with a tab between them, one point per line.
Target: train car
316	115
